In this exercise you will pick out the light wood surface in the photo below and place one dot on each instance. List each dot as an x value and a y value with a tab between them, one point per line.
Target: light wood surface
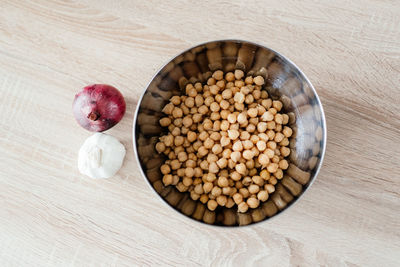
50	215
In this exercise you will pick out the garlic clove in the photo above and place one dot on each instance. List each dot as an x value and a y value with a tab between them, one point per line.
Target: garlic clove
101	156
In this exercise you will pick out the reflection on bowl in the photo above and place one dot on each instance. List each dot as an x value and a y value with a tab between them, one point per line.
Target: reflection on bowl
284	81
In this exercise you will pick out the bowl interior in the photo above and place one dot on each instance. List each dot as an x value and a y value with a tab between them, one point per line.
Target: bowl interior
283	81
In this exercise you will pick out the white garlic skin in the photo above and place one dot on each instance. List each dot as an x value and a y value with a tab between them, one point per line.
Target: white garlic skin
101	156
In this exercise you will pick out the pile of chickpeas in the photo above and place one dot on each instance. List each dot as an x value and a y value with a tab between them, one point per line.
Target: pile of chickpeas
227	141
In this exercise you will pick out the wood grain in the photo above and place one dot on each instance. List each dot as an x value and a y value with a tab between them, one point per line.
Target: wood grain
51	215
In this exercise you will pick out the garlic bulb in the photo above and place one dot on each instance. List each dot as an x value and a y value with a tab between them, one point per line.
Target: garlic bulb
101	156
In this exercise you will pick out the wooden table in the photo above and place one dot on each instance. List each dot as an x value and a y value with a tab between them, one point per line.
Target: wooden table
51	215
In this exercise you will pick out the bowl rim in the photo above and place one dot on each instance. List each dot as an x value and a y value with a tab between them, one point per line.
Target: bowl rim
313	178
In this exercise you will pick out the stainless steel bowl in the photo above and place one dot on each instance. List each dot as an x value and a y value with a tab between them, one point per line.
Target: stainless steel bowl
284	81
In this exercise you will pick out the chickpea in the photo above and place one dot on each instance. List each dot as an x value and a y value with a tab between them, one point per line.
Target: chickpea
187	181
271	145
273	111
189	172
221	84
285	151
285	119
261	145
273	180
164	122
233	134
208	143
239	74
262	195
251	128
187	121
191	136
182	156
278	137
199	100
287	131
167	179
283	164
250	163
226	153
190	163
278	118
261	127
224	104
253	121
264	174
218	75
264	94
216	149
227	94
212	158
238	198
177	112
239	98
203	109
238	185
267	116
235	176
223	182
207	187
278	174
277	105
198	172
215	136
211	177
237	146
234	126
231	164
256	94
203	198
214	107
224	125
258	80
175	164
160	147
180	172
243	207
253	202
230	77
221	200
272	167
203	136
247	144
171	155
181	187
254	138
216	191
189	102
212	204
239	106
248	154
248	80
263	159
214	89
197	117
254	189
202	151
266	103
275	159
235	156
269	188
241	168
222	163
168	108
252	112
213	167
232	118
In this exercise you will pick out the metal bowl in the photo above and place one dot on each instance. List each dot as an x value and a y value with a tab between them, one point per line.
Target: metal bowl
284	81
